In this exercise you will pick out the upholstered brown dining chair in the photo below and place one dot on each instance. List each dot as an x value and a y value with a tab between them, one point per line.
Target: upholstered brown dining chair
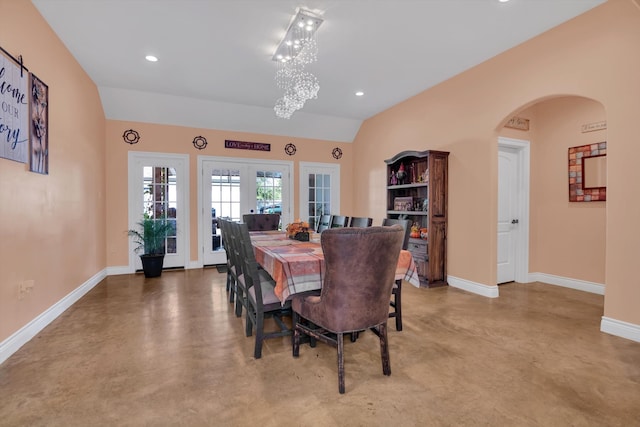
396	293
261	222
360	265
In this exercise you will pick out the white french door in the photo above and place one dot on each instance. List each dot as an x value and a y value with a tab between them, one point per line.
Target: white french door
233	187
159	189
319	191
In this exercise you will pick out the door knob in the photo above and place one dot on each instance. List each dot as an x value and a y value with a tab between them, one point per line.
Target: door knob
514	221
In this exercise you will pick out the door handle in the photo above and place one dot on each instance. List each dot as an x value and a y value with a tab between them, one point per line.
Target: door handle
514	221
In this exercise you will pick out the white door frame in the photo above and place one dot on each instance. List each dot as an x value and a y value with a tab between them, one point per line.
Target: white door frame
521	249
287	211
332	169
136	160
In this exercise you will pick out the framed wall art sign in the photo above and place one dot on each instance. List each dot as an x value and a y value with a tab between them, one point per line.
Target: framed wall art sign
39	115
14	111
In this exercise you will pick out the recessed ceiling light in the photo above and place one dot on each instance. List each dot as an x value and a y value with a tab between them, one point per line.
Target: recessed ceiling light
359	93
151	58
503	1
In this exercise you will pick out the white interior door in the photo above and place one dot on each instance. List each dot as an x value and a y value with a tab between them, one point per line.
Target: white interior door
319	191
507	216
233	187
513	211
158	189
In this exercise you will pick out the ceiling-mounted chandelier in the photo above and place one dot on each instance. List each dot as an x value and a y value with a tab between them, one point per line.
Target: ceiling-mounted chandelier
298	48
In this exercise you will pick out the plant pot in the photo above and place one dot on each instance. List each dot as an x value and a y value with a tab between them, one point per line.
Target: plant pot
152	265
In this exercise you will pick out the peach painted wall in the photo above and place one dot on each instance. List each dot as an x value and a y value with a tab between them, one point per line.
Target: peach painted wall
177	139
567	239
53	226
593	56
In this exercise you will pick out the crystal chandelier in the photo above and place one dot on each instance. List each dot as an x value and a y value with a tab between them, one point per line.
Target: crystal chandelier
298	48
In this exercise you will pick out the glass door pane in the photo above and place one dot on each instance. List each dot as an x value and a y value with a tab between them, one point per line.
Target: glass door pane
160	199
319	191
269	192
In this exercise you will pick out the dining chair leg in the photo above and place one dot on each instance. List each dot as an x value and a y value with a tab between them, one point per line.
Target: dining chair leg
398	305
231	288
239	299
384	349
340	343
295	338
257	353
248	330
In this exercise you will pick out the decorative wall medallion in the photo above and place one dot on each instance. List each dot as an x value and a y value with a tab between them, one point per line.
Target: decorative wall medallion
290	149
200	142
336	153
131	136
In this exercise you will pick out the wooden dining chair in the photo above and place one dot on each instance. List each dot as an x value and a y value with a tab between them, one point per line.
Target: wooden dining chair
235	257
324	222
396	292
357	221
261	222
360	264
339	221
260	299
231	268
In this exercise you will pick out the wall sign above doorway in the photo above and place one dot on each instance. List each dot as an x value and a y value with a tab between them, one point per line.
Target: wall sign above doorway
517	123
243	145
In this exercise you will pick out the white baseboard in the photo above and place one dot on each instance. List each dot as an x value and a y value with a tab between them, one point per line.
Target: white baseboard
581	285
620	328
474	287
194	264
31	329
124	269
118	270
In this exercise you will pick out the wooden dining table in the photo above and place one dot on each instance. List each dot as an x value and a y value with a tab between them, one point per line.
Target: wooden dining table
299	266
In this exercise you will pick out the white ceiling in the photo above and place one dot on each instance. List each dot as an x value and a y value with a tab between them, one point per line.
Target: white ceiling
215	69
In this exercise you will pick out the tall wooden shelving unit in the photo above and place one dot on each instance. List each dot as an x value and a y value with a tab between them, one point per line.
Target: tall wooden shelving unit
420	195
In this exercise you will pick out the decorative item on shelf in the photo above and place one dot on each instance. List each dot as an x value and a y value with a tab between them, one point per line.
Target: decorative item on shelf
415	231
425	176
200	142
298	230
337	153
393	179
131	136
403	204
425	205
424	233
412	169
290	149
401	174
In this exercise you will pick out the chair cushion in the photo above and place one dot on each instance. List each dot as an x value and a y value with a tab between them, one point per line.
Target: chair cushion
266	284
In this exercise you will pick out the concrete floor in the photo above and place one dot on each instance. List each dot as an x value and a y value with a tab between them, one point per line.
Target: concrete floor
169	351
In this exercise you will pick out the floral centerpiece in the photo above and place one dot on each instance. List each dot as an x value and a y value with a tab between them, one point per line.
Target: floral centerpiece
298	230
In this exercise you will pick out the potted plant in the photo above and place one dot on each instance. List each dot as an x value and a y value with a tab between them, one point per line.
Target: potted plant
150	236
